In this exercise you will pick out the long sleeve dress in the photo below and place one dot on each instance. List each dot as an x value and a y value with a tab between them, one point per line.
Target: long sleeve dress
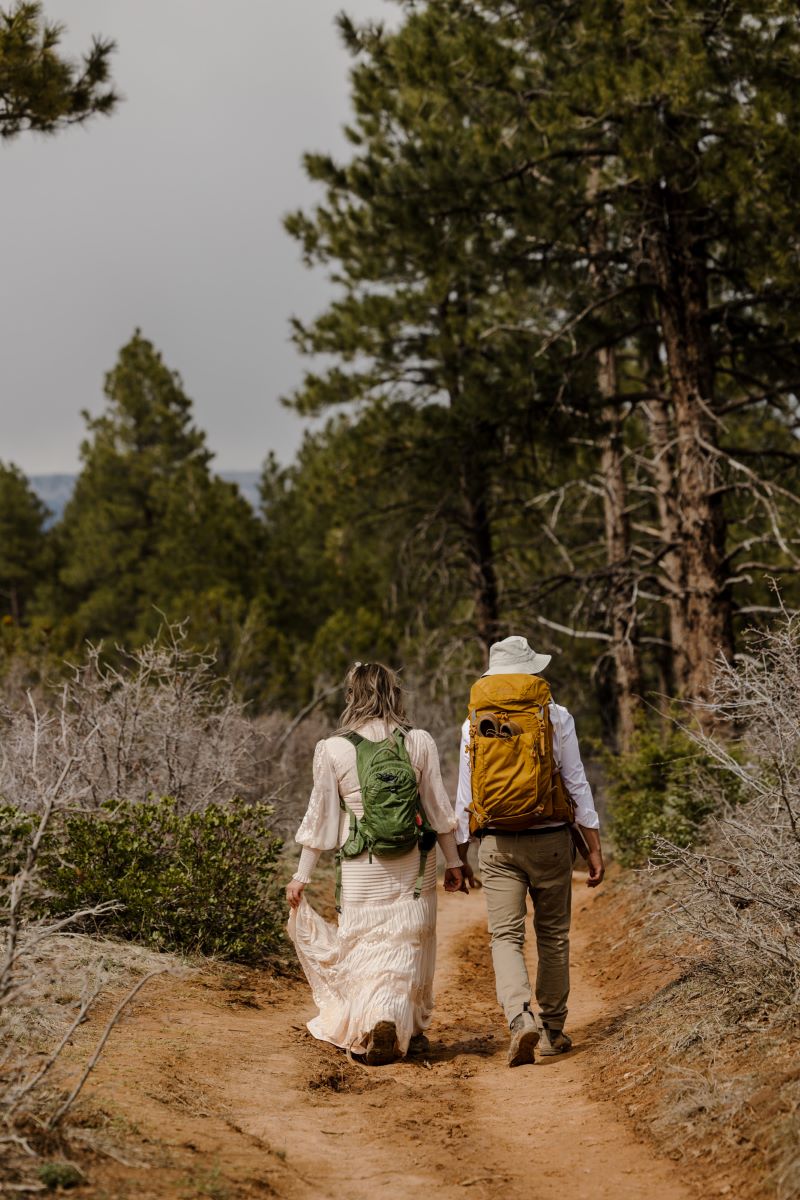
377	964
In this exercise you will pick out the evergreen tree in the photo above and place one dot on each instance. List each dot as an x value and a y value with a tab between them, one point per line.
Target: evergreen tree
570	229
39	89
665	142
430	294
345	564
24	553
148	525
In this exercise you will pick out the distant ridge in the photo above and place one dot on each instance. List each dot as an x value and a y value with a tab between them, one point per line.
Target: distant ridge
55	490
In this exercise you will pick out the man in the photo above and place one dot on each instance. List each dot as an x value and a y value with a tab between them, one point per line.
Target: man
536	859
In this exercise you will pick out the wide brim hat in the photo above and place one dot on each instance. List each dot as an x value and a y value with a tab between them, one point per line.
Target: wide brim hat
513	656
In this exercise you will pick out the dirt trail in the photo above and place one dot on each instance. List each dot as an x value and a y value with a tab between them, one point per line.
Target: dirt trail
219	1091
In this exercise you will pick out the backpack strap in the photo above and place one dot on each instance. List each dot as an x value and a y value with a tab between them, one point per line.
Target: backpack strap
423	859
338	893
339	855
355	739
553	725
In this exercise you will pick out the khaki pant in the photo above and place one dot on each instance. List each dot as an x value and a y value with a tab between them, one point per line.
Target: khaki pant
512	865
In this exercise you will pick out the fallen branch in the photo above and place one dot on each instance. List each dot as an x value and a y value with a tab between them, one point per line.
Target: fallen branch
73	1095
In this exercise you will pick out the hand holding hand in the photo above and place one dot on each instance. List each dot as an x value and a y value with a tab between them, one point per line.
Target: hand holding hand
453	880
294	892
468	880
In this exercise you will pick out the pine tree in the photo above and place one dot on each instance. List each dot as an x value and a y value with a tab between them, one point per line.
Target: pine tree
430	294
39	89
345	565
149	527
568	229
24	553
679	127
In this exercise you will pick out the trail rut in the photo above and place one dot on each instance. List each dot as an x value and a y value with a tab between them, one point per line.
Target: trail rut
217	1090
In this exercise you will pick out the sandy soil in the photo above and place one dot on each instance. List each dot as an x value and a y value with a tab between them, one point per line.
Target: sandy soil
212	1087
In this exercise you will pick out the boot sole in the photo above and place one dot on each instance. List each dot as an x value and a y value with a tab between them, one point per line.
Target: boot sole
382	1047
523	1052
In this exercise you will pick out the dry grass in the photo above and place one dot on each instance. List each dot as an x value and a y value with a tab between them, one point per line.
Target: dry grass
63	978
710	1065
714	1056
717	1092
161	723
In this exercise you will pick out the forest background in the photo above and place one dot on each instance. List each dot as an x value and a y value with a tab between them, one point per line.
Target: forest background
557	384
560	370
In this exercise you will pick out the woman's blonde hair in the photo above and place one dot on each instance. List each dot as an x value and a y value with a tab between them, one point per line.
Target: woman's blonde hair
372	691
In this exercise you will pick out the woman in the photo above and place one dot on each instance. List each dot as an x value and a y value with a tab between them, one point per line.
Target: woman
372	976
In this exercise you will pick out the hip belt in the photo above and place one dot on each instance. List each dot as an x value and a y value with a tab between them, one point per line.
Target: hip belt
533	831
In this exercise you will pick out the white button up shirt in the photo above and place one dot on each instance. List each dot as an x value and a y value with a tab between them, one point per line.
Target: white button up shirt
568	757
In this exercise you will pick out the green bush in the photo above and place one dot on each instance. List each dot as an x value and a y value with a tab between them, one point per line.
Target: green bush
665	786
198	881
16	829
60	1175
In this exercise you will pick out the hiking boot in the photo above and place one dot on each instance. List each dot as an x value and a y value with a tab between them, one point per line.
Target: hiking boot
554	1041
419	1046
487	725
382	1046
509	729
524	1036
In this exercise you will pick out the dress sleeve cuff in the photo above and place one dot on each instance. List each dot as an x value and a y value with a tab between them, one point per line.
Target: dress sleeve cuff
308	860
448	847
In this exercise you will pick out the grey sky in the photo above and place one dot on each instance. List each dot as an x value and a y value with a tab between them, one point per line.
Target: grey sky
168	216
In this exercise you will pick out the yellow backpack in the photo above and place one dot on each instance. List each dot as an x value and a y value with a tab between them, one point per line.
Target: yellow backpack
515	780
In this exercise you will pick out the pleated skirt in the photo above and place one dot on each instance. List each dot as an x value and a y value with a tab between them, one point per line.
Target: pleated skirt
377	963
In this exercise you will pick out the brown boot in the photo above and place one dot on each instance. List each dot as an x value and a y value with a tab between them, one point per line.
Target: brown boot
382	1046
419	1046
554	1041
524	1036
509	729
488	725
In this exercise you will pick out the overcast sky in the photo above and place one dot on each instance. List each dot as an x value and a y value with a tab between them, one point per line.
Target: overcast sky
167	216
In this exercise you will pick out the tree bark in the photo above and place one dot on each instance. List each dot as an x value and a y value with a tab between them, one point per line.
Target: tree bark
622	604
674	663
623	615
677	257
663	466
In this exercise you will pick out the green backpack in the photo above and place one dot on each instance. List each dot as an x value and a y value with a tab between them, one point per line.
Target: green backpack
394	820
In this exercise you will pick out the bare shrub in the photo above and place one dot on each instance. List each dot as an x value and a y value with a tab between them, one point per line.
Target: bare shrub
283	764
160	724
719	1043
34	1098
741	888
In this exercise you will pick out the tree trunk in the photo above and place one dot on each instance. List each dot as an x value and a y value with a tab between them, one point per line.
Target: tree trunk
623	616
480	551
663	462
677	258
622	604
474	442
674	663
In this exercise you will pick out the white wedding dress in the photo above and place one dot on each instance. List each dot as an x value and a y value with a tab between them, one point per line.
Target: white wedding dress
377	964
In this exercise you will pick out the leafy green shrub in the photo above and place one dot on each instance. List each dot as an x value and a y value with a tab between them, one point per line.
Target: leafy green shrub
16	829
60	1175
197	881
665	786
